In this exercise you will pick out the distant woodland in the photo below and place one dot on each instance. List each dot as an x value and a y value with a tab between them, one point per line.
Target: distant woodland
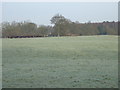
61	27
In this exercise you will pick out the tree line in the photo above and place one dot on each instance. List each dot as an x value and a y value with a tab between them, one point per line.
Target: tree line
62	27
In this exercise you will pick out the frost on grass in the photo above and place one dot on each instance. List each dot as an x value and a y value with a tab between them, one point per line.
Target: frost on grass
62	62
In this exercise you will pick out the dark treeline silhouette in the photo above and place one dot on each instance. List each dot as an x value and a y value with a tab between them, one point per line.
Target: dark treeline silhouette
62	27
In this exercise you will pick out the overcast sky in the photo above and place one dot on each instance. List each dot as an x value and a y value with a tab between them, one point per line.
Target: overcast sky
41	12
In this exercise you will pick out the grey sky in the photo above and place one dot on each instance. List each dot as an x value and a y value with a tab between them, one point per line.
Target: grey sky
41	13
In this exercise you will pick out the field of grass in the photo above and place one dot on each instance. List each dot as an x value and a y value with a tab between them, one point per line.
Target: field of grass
61	62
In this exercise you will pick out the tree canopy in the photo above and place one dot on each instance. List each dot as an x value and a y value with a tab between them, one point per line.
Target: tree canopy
62	27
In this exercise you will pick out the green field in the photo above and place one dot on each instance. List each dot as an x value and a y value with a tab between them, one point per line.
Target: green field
60	62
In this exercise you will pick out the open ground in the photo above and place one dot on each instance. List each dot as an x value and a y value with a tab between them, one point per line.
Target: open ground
60	62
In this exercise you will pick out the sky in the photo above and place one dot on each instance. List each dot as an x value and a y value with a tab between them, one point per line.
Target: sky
42	12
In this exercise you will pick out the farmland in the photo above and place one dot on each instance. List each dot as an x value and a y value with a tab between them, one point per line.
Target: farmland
60	62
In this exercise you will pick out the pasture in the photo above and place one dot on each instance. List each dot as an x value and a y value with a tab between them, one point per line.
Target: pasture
60	62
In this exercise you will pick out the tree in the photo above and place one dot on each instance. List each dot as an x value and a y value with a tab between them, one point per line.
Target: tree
43	30
101	29
60	23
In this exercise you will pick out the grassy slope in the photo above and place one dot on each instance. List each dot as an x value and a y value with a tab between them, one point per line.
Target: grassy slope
86	61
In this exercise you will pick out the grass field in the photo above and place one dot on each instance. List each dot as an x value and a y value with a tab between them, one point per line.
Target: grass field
61	62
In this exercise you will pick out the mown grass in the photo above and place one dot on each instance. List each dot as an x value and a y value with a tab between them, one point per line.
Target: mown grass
62	62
